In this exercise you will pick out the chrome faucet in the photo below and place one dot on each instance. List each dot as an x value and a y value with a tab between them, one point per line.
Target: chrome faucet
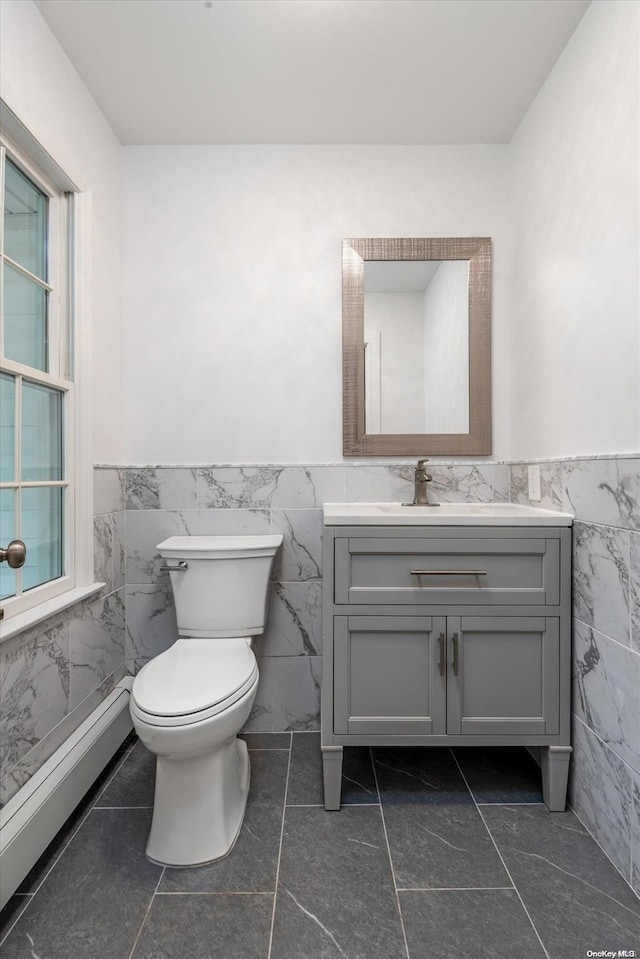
421	478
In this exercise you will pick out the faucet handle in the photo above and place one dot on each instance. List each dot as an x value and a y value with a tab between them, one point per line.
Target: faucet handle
421	470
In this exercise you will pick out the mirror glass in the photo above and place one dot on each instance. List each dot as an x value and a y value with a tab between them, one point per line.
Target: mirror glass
416	324
416	342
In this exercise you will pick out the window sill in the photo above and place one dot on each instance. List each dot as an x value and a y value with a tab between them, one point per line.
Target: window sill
31	617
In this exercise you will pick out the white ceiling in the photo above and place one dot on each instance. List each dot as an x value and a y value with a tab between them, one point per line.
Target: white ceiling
313	71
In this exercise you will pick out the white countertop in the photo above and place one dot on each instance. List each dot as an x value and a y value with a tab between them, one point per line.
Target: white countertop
447	514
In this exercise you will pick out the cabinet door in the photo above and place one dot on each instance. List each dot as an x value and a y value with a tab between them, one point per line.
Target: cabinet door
389	675
503	675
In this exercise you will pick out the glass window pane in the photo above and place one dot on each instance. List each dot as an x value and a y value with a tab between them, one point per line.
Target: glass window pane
7	533
25	320
42	534
25	222
7	429
41	433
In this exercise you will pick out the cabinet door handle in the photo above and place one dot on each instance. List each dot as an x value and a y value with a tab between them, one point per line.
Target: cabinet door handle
455	654
448	572
441	661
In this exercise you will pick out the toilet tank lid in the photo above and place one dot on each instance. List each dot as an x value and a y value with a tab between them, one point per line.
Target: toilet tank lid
219	547
193	675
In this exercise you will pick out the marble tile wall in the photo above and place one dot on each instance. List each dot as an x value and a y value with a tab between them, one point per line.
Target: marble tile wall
603	494
164	501
54	675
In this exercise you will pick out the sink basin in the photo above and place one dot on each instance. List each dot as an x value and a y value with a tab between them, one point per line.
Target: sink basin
446	514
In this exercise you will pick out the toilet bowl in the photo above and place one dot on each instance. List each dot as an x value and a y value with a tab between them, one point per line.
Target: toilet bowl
189	703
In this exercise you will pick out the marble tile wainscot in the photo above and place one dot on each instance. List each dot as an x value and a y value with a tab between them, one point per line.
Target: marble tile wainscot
603	493
54	675
167	500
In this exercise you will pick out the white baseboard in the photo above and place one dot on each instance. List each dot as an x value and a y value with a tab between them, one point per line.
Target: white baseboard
32	817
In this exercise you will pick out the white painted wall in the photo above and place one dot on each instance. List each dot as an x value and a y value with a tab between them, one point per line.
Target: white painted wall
446	349
575	210
232	348
232	286
40	85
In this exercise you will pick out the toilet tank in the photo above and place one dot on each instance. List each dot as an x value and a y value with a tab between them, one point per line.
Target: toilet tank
220	583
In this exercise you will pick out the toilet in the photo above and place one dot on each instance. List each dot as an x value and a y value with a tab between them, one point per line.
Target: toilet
189	703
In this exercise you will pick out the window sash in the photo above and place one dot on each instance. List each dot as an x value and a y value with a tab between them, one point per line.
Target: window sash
57	376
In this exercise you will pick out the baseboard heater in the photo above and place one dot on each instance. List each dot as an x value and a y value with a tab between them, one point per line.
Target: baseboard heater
32	817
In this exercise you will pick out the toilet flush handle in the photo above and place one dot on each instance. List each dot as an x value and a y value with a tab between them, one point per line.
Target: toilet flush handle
180	568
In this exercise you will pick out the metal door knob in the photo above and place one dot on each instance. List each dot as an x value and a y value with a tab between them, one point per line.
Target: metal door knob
15	554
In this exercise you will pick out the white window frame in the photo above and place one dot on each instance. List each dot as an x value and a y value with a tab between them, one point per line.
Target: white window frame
70	360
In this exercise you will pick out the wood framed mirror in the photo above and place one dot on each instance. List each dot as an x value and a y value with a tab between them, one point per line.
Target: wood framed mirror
416	346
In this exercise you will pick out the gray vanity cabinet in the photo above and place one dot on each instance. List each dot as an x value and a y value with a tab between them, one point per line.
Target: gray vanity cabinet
447	637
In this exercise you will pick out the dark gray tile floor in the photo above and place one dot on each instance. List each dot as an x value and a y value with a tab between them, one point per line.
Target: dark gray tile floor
436	854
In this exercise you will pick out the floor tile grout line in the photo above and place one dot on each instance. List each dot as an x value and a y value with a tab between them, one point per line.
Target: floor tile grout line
147	911
517	891
61	853
48	872
303	805
386	838
320	805
453	888
115	771
221	892
284	810
508	802
66	845
25	895
290	732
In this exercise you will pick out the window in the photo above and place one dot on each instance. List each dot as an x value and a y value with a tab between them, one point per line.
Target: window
36	384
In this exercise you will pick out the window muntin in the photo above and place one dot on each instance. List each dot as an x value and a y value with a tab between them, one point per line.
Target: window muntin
7	427
8	576
36	398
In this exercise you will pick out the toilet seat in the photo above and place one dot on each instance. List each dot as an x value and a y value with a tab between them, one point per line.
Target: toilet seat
193	680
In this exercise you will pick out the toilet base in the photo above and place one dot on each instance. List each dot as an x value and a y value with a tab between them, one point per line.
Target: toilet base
199	806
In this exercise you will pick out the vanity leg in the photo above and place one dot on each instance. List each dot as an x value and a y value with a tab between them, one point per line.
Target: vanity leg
332	773
554	762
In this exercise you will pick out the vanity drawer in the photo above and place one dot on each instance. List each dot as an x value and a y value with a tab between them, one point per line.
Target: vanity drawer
475	571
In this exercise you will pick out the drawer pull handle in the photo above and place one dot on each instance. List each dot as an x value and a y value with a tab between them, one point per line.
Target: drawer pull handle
441	661
448	572
455	654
